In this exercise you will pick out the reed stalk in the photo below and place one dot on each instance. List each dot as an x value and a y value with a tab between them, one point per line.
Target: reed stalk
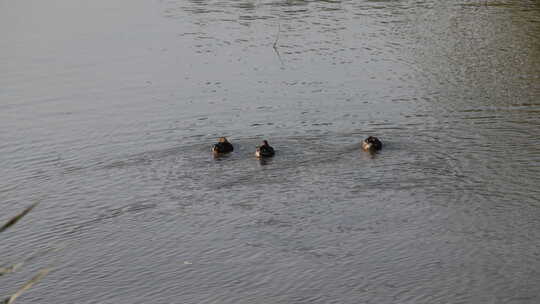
26	286
16	218
14	267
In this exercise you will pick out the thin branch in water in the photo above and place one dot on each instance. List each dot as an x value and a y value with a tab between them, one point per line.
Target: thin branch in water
277	36
275	47
278	56
16	218
25	287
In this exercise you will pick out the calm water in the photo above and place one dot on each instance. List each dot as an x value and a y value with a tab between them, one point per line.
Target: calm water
108	110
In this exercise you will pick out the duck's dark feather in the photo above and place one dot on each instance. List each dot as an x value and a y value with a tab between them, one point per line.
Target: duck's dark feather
222	147
265	151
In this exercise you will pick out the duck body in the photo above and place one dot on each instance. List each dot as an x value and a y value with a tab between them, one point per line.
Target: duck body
265	150
223	146
371	144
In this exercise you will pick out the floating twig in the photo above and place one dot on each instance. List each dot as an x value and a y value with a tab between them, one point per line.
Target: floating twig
277	36
275	47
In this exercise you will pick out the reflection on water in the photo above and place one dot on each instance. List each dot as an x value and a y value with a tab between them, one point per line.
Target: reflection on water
111	109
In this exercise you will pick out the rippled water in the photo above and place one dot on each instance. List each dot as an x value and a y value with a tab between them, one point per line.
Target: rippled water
108	110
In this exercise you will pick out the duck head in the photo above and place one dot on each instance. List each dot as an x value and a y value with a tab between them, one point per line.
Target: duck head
371	144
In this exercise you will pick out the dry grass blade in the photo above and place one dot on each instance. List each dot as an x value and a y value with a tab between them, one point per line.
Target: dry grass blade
16	218
27	286
9	269
12	268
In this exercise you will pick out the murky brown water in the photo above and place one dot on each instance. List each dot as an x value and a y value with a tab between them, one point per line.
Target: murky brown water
108	110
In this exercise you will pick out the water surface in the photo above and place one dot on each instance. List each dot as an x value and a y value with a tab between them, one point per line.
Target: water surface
108	111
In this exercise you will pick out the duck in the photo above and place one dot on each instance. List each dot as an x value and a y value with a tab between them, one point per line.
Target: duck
265	150
371	144
223	146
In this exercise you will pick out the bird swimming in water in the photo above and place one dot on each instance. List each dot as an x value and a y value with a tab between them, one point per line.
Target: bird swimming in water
223	146
371	144
265	150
